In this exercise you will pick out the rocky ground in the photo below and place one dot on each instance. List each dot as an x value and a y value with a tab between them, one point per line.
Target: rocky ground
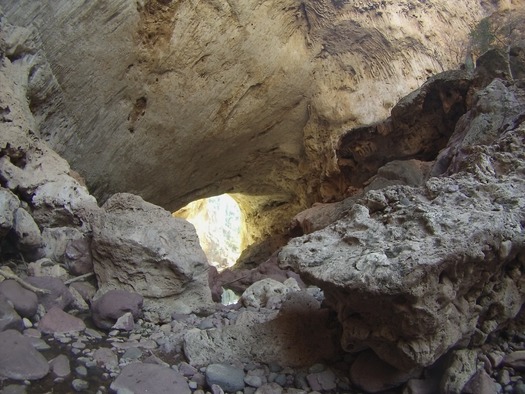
79	351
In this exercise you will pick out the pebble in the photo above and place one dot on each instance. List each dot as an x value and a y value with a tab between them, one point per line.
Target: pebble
79	385
254	381
81	371
132	353
226	376
27	323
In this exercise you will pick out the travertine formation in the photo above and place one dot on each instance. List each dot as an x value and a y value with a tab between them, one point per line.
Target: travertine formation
414	271
178	100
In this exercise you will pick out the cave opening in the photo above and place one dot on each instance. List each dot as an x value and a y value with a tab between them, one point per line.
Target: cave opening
218	221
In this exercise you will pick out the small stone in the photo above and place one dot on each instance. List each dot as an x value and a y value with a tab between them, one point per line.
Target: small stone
324	380
125	322
79	385
132	353
78	345
206	324
216	389
27	323
229	378
81	371
60	366
253	381
192	385
105	358
187	370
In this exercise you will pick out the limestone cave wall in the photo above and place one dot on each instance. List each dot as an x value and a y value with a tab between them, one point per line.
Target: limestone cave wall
179	100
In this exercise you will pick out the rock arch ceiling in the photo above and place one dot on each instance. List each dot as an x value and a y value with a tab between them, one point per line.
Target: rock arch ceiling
179	100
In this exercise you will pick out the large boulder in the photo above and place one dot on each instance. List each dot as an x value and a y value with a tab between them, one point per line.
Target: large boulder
18	358
414	271
24	301
142	248
114	304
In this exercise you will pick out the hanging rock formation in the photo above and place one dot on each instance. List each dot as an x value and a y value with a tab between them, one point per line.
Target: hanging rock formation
414	271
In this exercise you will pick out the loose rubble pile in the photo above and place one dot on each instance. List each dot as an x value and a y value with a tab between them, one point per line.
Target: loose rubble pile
116	298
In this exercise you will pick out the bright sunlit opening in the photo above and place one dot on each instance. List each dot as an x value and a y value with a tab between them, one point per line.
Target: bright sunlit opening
218	221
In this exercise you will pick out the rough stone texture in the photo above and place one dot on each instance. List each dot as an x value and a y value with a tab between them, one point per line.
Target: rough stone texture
420	126
140	247
19	359
260	293
300	335
481	383
56	240
24	301
9	319
149	378
28	234
9	203
269	85
77	256
373	375
460	367
58	321
115	303
431	267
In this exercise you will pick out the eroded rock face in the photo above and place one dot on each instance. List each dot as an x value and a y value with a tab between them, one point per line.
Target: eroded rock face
142	248
413	271
46	209
183	101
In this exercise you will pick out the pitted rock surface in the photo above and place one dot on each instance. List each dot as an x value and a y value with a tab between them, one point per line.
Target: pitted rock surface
428	267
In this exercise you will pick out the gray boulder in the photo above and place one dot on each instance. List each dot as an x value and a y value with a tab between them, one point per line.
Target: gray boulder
57	321
414	271
18	358
9	319
24	301
140	247
138	378
115	303
59	295
77	256
228	377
